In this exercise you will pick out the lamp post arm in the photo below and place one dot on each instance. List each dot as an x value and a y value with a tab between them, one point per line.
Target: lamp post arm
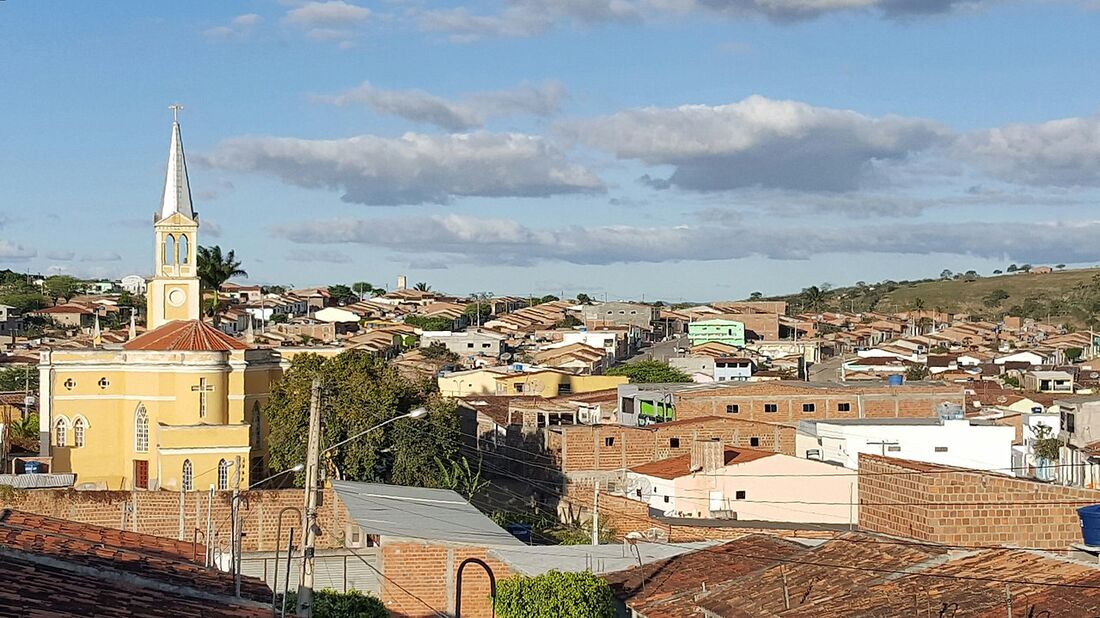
363	433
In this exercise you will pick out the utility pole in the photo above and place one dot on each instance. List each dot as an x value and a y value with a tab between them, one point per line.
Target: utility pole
313	464
235	541
595	512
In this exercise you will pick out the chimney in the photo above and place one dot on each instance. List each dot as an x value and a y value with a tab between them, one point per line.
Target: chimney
402	282
707	455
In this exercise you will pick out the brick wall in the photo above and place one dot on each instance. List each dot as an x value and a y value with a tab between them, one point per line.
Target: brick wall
422	574
624	515
795	403
178	514
996	509
612	447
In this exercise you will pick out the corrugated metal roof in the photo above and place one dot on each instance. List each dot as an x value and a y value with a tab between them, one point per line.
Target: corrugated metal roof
419	513
539	559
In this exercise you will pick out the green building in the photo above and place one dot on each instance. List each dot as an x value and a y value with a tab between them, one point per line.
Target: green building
722	331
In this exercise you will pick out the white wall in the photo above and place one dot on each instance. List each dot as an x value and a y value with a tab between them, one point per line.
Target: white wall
985	447
659	493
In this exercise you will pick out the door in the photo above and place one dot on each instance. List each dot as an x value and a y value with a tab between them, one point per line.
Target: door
141	474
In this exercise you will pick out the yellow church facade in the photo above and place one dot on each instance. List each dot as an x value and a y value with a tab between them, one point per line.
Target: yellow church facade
175	408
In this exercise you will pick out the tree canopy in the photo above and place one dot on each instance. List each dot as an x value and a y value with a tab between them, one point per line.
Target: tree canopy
342	293
358	392
649	372
335	604
215	268
555	594
429	323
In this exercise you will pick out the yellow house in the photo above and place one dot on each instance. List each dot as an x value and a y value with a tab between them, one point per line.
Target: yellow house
175	408
538	382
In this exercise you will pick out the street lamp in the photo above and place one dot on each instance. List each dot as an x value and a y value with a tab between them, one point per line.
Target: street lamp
313	460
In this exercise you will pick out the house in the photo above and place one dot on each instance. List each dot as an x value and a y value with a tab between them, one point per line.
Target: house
69	569
1079	430
520	379
1026	356
1060	382
612	343
68	315
471	345
133	284
969	443
620	314
10	320
719	482
733	368
728	332
575	358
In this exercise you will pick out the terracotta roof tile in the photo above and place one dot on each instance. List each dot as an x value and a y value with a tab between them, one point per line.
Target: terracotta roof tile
675	467
185	336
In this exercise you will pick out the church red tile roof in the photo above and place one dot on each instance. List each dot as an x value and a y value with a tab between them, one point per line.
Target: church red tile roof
185	336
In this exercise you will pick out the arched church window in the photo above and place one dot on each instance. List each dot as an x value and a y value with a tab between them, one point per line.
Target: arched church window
78	432
257	435
169	248
61	432
223	474
188	475
183	249
141	430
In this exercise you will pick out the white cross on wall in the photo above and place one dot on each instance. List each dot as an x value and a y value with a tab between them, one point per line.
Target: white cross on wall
202	388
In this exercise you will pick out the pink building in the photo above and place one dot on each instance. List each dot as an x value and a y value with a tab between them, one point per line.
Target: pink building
720	482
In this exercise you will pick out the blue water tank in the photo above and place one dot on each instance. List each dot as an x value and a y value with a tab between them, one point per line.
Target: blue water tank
1090	524
520	531
32	467
895	380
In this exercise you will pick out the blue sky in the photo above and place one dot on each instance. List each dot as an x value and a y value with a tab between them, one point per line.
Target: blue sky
694	149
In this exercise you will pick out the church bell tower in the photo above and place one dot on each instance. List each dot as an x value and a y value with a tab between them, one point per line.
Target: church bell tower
174	293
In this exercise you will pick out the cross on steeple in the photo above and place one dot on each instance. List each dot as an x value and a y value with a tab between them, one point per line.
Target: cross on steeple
202	388
175	107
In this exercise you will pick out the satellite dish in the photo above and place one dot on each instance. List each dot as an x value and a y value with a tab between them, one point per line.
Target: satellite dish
1094	375
1002	399
506	356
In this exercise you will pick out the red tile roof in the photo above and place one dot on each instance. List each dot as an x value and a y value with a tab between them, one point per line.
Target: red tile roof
185	336
675	467
86	570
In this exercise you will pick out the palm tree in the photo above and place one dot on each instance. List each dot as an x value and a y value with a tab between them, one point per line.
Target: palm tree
813	297
214	269
422	287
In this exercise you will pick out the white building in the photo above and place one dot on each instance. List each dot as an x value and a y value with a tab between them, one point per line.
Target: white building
606	341
134	284
732	369
468	345
965	443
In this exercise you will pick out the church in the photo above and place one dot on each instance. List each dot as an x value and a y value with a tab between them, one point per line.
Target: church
176	408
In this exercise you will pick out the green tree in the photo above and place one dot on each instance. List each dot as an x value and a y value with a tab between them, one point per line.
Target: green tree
555	594
60	287
1072	354
649	372
362	288
19	378
457	474
360	391
334	604
569	321
994	298
438	351
584	299
998	272
342	293
24	298
215	268
429	323
918	303
945	274
756	296
1012	268
422	287
813	298
916	373
1045	446
474	309
279	318
549	298
1060	266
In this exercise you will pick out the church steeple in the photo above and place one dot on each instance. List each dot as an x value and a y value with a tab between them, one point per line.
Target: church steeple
174	292
177	191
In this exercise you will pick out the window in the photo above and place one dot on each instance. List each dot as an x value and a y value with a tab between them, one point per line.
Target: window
470	345
183	252
103	383
223	474
739	494
674	442
633	312
188	477
733	408
771	407
609	441
519	387
169	248
78	432
141	430
941	449
256	431
666	499
60	432
754	441
70	384
809	407
1068	422
486	345
843	407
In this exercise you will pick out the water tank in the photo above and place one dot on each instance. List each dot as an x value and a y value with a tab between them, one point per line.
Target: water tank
520	531
1090	524
895	380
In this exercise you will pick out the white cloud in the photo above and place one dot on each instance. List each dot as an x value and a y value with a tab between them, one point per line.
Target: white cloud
469	112
239	27
328	14
101	256
524	18
414	168
501	241
1063	153
759	142
60	256
15	252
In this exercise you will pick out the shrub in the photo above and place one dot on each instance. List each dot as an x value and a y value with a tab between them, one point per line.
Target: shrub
555	594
